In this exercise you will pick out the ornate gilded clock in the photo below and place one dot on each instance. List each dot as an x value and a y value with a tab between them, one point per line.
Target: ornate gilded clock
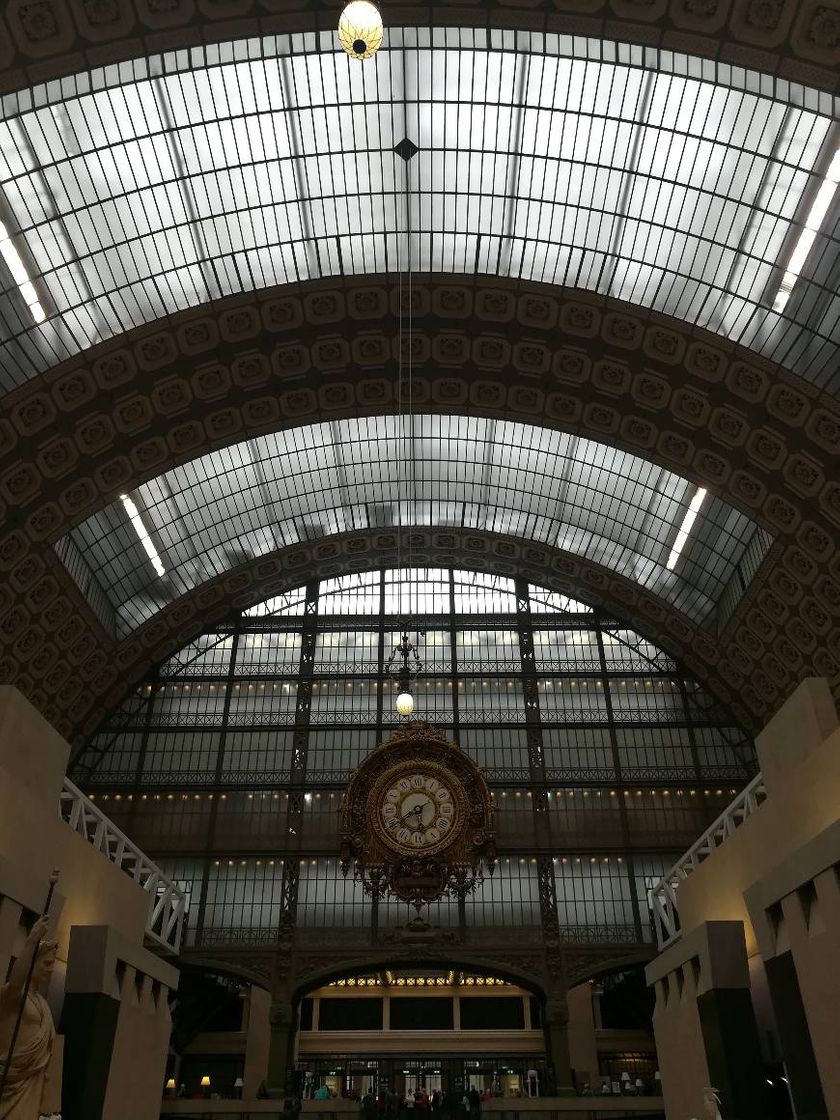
417	818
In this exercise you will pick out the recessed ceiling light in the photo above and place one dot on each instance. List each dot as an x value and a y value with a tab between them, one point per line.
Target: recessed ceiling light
685	528
815	218
141	531
15	265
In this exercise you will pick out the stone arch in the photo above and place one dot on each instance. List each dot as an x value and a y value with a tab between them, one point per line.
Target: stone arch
134	406
605	370
455	956
582	966
347	553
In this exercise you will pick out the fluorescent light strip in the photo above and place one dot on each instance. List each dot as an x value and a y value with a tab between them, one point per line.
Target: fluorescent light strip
140	530
685	528
816	216
19	274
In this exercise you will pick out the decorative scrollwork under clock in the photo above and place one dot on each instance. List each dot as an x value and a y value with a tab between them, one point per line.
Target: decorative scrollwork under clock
417	819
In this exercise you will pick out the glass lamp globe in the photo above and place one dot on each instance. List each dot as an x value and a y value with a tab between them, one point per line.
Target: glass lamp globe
360	29
405	704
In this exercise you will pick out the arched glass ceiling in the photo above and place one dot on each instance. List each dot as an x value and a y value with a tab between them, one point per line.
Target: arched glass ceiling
243	501
666	181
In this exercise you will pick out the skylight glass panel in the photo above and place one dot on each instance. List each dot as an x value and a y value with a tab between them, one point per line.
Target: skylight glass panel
254	498
152	196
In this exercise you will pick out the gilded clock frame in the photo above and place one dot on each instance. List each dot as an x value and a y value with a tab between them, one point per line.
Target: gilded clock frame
429	769
454	864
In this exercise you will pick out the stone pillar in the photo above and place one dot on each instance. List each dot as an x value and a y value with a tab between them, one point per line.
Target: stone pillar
795	912
281	1016
556	1030
116	1025
256	1042
705	1026
583	1048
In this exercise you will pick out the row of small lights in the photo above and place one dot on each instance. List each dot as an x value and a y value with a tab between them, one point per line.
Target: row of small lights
548	683
416	982
314	862
309	797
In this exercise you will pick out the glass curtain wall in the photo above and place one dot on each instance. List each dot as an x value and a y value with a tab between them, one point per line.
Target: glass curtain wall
606	760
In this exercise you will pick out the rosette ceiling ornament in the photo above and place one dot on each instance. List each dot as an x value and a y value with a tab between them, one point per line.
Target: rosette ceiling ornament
417	819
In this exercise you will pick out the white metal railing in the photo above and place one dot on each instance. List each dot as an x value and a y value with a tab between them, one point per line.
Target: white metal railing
662	898
167	903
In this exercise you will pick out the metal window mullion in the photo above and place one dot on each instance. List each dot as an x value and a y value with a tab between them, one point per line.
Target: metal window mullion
210	842
144	742
547	887
453	660
289	889
297	767
533	720
374	920
306	669
692	739
625	828
380	660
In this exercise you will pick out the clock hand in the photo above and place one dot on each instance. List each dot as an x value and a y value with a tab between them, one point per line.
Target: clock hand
416	811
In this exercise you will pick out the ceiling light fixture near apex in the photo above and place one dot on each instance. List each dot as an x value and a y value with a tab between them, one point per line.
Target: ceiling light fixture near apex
360	29
815	218
141	531
685	528
19	274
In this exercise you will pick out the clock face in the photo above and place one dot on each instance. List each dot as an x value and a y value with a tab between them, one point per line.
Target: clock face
417	809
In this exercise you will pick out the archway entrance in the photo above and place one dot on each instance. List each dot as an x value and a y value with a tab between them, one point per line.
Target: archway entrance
452	1035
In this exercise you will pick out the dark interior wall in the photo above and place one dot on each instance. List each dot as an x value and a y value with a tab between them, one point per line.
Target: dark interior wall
363	1014
627	1002
492	1013
422	1013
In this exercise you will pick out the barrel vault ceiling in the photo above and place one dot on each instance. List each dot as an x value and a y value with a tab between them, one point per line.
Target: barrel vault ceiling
761	435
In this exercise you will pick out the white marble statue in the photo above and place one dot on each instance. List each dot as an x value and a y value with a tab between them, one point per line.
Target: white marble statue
27	1074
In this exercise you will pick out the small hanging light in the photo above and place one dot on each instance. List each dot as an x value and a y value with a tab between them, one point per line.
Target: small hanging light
360	29
403	665
405	704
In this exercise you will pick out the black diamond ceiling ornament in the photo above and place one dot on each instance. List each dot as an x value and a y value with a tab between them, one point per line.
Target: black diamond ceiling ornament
406	149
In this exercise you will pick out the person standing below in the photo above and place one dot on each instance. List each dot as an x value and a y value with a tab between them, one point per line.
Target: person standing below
322	1093
475	1103
449	1107
369	1105
392	1105
27	1076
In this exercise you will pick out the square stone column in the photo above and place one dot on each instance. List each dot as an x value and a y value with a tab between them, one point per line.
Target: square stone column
704	1023
256	1042
795	912
116	1025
